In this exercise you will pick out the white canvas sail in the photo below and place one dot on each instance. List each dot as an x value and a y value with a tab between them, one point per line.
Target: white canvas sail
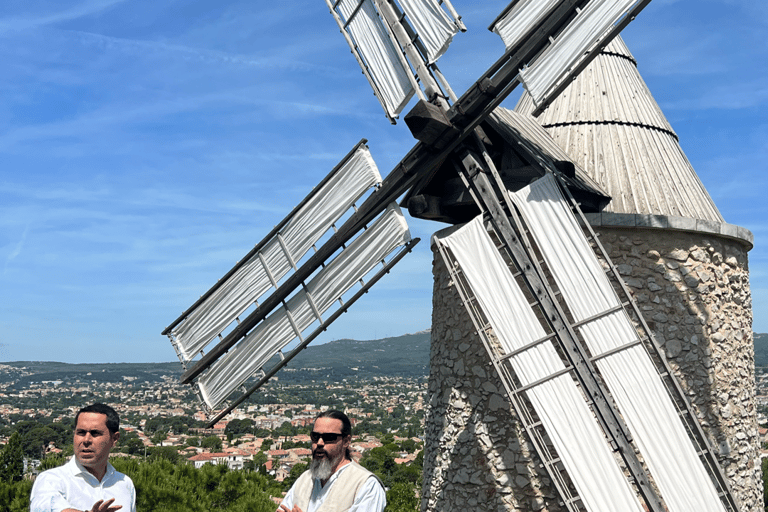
627	369
254	278
432	24
379	54
562	409
298	313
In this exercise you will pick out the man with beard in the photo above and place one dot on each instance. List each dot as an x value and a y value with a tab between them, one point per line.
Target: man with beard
88	482
334	482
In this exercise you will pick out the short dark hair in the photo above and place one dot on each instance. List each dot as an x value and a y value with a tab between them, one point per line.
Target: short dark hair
346	425
113	420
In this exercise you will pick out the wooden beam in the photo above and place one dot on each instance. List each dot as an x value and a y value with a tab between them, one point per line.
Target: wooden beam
430	124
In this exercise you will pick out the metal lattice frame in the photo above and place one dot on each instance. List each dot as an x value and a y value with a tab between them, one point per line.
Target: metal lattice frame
304	342
663	369
515	393
477	173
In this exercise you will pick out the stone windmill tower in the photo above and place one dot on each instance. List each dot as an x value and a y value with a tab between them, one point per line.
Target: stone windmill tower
687	270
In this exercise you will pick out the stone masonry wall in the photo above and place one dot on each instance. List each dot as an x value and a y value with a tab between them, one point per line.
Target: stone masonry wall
694	293
693	290
476	455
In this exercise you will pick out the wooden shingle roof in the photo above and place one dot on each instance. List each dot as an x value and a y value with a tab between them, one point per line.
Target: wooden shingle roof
608	122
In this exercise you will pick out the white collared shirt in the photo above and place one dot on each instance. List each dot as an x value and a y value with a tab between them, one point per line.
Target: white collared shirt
72	486
370	498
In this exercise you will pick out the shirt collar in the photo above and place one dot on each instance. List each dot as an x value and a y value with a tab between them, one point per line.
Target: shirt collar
78	469
334	475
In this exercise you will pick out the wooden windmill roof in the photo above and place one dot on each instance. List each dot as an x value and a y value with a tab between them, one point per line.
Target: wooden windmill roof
609	123
520	130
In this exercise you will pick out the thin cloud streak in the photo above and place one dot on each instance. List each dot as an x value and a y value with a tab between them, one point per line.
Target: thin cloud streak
26	22
141	47
17	249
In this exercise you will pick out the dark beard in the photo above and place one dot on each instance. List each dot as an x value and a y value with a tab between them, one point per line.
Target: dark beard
323	468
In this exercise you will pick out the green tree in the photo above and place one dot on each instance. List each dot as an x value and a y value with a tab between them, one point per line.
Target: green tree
410	474
286	430
35	437
12	460
257	463
168	453
296	472
764	466
159	436
237	427
176	424
380	461
212	443
263	432
52	460
133	447
409	445
165	487
126	438
14	496
402	497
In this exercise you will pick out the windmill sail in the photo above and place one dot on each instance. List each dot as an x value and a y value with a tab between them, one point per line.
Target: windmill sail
382	62
594	26
619	354
394	51
304	308
662	425
432	24
568	421
515	21
276	255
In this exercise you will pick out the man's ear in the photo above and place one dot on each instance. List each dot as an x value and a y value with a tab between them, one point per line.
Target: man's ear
115	437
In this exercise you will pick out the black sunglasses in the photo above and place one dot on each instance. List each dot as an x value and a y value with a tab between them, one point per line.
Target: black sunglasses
327	437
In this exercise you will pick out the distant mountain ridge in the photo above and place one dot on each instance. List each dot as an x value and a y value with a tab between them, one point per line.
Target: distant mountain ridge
404	356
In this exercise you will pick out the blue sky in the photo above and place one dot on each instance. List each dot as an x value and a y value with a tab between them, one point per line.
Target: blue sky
146	146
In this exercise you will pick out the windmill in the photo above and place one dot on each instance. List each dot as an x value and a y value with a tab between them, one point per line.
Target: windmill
557	373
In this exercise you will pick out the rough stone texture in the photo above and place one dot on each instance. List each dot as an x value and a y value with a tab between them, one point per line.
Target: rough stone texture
475	451
694	292
693	289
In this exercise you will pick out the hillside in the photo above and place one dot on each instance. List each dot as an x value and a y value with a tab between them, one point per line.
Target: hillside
403	356
761	350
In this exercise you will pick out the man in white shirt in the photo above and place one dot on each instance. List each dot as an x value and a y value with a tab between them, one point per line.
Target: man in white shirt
333	482
88	482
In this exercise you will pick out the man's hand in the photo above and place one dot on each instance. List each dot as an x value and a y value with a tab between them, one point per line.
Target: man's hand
99	506
283	508
105	506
